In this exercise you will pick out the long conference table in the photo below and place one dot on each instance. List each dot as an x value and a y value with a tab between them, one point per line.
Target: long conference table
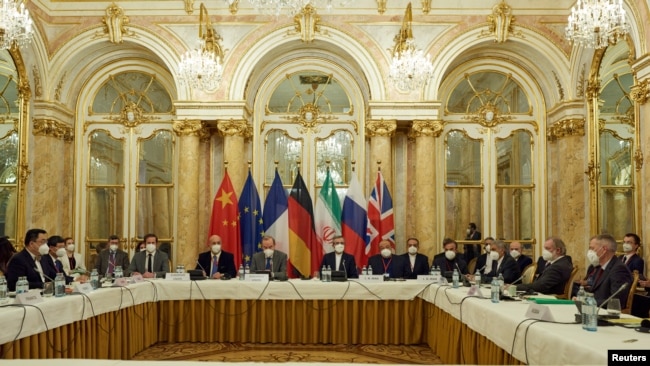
119	322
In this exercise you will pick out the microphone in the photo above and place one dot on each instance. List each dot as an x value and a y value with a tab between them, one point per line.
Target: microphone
623	287
344	269
43	274
482	268
517	280
204	271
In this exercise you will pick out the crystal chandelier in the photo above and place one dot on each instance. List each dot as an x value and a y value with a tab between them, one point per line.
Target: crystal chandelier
410	69
597	23
15	24
201	67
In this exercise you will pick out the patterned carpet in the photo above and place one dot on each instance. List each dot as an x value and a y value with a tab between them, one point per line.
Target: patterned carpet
251	352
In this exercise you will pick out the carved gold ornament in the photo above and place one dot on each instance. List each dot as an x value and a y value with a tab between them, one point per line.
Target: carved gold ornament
640	92
307	23
488	115
52	128
132	115
566	127
429	128
381	128
115	23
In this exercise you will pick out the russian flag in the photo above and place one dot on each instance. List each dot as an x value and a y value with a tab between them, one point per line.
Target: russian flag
354	221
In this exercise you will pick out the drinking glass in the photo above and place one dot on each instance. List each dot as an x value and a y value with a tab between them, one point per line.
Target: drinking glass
48	289
614	307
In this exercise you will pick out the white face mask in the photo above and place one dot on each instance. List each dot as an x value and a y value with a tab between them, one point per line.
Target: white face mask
339	248
627	247
151	247
386	253
43	249
143	249
494	256
592	257
70	247
469	231
268	253
413	250
216	248
60	252
547	255
514	254
450	254
113	247
487	248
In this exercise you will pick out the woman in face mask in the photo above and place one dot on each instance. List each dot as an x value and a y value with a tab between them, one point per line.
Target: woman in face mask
73	264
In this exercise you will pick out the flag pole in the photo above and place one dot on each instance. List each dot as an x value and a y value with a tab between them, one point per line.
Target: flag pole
225	165
379	165
354	162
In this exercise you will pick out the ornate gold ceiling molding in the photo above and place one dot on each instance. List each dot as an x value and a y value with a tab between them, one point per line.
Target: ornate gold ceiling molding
500	24
566	127
427	127
307	23
381	127
52	128
381	6
189	6
132	116
190	127
641	91
114	25
235	127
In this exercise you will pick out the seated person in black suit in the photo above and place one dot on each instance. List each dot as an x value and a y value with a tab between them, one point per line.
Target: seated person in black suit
51	262
610	273
338	260
416	263
523	261
482	264
555	276
27	262
386	263
632	260
502	263
216	263
449	260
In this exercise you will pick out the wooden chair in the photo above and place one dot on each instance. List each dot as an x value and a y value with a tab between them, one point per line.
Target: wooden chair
528	274
471	266
630	296
569	285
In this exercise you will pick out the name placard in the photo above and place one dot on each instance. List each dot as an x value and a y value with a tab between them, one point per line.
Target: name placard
82	288
137	278
177	276
426	278
371	278
28	298
257	277
121	282
474	290
541	312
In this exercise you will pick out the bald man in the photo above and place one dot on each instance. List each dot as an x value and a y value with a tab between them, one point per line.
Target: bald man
216	263
523	261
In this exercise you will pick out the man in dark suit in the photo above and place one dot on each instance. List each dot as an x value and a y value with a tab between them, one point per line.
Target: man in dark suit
386	263
483	265
502	263
523	261
610	273
554	277
472	250
51	262
339	260
416	263
27	261
270	260
112	257
449	260
216	263
630	258
151	263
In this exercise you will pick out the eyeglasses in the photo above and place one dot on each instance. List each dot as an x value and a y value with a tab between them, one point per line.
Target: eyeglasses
338	242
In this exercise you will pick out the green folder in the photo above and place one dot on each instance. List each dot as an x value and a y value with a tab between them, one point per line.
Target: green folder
548	301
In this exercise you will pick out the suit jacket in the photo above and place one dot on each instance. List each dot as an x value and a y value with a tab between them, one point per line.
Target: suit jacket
552	280
50	268
615	274
635	263
396	265
446	265
79	265
226	263
22	264
541	265
480	263
160	263
121	259
420	267
278	264
508	268
523	261
348	264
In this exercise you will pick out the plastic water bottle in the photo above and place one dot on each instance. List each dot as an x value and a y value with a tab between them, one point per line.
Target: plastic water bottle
242	272
3	289
118	273
364	270
477	278
436	273
496	290
247	270
589	313
328	276
455	278
581	294
370	270
501	281
22	285
59	285
323	274
433	270
94	279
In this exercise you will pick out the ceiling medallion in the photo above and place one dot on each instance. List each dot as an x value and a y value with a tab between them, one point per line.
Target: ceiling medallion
132	115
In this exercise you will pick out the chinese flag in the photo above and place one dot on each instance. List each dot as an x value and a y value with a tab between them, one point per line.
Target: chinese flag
225	219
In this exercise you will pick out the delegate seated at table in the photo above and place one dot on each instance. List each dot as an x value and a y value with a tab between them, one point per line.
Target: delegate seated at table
554	277
270	259
151	263
386	263
339	260
216	263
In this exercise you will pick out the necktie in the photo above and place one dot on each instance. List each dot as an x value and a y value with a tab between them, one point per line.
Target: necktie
599	273
111	263
268	263
215	265
150	263
58	265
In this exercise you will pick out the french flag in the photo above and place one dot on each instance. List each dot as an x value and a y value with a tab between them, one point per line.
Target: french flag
354	221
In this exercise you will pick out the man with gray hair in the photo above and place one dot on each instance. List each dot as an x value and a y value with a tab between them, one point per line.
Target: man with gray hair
609	272
502	263
554	277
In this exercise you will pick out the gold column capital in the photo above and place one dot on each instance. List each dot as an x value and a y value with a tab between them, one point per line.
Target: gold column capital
426	127
640	92
381	127
235	127
53	128
566	127
190	127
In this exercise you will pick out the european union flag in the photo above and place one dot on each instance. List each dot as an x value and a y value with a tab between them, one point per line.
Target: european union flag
250	221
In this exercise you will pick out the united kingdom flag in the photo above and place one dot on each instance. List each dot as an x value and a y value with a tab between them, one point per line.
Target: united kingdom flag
381	223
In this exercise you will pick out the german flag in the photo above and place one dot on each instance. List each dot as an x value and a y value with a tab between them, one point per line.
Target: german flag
305	253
